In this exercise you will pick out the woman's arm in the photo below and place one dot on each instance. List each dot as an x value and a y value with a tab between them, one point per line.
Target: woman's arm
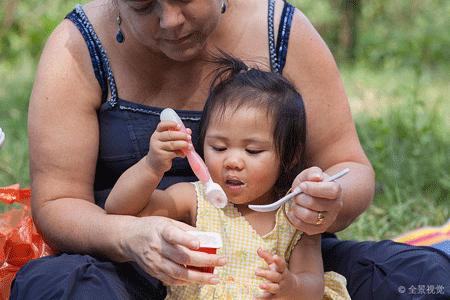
63	141
332	140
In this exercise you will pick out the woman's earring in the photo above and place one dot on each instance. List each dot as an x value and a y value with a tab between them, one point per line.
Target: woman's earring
120	37
224	7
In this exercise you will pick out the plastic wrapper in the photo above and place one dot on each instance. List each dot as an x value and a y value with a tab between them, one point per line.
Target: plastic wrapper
19	240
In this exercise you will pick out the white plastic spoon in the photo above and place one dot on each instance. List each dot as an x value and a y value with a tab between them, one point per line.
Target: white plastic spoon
277	204
214	192
2	137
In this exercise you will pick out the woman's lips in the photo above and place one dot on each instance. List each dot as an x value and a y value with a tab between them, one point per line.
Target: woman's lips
178	41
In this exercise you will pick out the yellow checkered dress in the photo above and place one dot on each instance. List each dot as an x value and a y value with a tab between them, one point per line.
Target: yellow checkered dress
240	242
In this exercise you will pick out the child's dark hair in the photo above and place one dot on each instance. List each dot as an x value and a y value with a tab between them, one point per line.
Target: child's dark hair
236	86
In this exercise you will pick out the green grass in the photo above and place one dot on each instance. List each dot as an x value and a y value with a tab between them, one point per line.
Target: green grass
402	122
14	94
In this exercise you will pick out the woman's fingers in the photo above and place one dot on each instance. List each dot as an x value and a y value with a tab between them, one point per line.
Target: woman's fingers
324	190
311	174
177	257
314	210
175	233
176	274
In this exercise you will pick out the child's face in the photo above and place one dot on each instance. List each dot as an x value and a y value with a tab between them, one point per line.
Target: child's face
240	154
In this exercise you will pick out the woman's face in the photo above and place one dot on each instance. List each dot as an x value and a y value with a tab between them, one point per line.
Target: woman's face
176	28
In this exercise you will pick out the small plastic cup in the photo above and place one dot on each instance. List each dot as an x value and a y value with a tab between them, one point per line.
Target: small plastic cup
209	243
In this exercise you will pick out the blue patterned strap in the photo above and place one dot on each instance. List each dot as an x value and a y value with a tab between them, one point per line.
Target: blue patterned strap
278	52
283	34
99	59
272	54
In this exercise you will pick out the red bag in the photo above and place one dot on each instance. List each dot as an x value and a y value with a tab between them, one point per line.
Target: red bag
19	240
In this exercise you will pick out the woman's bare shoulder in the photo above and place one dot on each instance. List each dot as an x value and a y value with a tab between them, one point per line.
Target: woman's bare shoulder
67	38
65	61
66	50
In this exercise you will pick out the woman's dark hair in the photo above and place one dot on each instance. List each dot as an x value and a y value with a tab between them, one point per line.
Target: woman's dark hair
236	85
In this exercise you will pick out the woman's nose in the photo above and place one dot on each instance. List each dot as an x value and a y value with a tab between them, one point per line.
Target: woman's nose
170	15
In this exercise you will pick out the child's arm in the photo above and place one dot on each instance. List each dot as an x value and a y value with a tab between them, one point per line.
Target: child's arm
304	279
136	187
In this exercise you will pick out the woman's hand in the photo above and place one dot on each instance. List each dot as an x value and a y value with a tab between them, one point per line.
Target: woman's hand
316	209
167	143
162	248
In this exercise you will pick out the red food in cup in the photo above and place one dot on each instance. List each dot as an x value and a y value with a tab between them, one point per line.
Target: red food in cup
209	243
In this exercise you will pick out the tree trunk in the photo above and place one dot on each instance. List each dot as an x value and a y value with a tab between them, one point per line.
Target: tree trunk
348	33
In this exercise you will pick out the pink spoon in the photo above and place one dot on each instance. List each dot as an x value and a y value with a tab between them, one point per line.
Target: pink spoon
214	193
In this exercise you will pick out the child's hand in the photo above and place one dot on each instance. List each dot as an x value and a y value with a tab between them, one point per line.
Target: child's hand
167	143
280	279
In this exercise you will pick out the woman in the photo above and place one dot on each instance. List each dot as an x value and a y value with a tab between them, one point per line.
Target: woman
95	104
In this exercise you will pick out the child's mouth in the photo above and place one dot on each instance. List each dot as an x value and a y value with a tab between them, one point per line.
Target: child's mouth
233	183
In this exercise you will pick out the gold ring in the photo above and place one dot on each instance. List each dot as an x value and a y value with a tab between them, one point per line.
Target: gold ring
320	217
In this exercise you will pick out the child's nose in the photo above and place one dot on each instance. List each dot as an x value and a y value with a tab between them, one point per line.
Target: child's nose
234	161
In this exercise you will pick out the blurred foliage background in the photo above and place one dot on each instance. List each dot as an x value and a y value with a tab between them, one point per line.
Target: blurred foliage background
393	57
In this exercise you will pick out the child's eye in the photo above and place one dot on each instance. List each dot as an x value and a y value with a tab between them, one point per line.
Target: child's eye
219	149
253	151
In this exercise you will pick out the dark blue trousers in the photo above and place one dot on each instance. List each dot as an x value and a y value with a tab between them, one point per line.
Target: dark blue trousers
72	276
374	270
387	270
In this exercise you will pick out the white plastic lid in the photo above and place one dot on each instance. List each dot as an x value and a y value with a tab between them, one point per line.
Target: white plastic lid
208	239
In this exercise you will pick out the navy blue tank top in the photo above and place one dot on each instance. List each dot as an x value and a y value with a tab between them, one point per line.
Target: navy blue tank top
126	127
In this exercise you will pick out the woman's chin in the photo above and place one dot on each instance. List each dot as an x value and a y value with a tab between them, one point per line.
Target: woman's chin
182	58
183	54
